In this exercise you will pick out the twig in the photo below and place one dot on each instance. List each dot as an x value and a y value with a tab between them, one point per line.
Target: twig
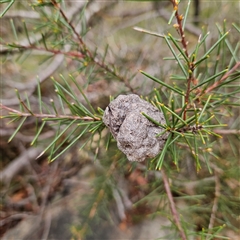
215	203
82	45
180	30
86	51
46	71
188	27
172	205
122	79
150	32
225	76
54	51
179	26
45	116
24	42
38	37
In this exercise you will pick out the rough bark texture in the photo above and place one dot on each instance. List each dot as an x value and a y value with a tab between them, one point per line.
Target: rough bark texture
135	134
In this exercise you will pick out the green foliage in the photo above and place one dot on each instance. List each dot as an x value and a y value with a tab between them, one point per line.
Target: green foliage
197	102
10	3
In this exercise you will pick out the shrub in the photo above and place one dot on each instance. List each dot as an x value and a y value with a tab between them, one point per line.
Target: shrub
196	89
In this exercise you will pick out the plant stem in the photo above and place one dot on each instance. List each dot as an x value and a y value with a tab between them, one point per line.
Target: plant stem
82	45
41	115
87	52
225	76
54	51
179	19
172	205
191	66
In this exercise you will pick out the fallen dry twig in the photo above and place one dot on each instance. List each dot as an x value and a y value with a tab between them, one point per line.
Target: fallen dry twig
172	205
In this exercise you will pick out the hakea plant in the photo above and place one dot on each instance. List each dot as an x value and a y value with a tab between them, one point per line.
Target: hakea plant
187	116
188	106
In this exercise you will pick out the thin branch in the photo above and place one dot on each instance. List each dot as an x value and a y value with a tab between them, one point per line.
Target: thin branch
179	26
71	13
86	51
82	45
44	116
122	79
54	51
180	30
149	32
46	71
33	39
225	76
172	205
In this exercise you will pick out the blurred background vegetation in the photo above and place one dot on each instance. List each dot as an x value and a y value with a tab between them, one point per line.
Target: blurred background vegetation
96	193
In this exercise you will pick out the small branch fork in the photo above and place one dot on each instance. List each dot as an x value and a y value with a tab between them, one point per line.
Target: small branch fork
42	115
172	205
85	51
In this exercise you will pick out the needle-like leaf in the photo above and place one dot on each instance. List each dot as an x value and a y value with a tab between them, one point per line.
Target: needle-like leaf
17	129
162	83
